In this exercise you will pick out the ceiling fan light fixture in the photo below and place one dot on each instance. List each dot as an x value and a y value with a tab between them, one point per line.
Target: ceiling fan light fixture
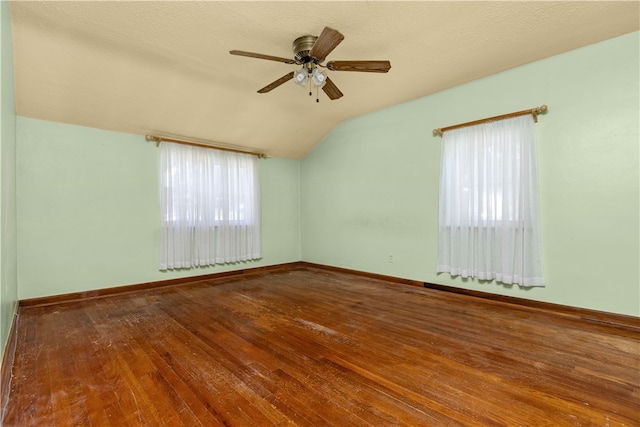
301	77
318	77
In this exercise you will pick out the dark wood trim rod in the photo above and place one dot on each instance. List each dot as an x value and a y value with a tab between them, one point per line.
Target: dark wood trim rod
362	273
159	139
99	293
7	363
533	111
589	315
593	316
621	321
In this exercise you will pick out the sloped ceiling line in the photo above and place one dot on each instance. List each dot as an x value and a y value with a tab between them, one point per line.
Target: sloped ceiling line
164	67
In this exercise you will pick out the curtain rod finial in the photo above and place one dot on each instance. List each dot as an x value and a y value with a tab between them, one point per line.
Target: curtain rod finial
437	132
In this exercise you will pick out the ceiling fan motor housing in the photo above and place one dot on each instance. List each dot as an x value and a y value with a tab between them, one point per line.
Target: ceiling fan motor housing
301	47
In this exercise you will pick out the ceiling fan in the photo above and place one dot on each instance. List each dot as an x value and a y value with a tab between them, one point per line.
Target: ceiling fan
310	52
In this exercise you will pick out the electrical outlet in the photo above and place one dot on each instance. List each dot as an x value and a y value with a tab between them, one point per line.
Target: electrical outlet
391	258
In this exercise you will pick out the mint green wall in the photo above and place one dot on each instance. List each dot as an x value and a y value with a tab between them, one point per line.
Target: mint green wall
88	203
370	188
88	210
8	242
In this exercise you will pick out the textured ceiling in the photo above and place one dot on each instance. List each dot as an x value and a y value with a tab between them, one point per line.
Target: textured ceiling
164	67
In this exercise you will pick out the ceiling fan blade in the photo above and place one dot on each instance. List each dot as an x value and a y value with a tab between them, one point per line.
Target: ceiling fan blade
261	56
326	42
362	66
331	90
277	83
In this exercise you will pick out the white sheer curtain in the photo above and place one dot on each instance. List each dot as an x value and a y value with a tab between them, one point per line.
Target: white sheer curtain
489	203
210	203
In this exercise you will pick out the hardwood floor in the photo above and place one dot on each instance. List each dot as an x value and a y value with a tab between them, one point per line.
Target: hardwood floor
317	348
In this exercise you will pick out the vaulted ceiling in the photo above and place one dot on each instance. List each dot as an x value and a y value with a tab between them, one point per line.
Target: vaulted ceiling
163	67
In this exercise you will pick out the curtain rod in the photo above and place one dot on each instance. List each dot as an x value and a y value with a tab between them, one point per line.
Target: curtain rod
159	139
533	111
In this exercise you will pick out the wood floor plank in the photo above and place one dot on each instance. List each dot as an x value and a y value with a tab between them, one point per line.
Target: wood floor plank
313	347
221	383
244	353
43	392
139	396
23	384
287	356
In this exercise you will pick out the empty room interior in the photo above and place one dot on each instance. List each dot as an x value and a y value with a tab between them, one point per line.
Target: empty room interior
367	213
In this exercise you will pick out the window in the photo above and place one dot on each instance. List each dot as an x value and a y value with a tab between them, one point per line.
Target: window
210	206
488	226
